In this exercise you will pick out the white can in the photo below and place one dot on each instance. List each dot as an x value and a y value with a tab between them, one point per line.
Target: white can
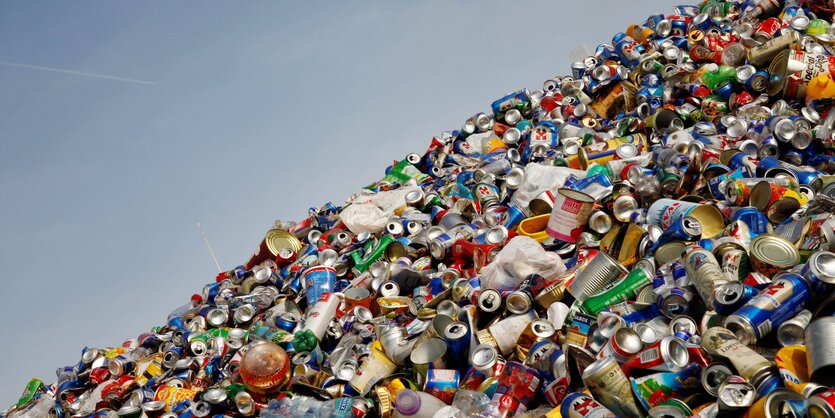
570	214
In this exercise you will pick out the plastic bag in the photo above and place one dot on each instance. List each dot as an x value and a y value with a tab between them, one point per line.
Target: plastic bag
539	178
521	257
370	213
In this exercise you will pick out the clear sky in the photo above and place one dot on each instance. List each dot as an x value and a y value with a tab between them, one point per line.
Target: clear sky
121	123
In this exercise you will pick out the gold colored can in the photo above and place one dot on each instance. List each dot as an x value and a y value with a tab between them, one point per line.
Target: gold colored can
602	152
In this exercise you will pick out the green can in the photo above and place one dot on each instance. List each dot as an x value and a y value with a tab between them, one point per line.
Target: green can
32	388
817	27
624	289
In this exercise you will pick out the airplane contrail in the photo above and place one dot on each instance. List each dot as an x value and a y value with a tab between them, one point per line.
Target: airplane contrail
81	73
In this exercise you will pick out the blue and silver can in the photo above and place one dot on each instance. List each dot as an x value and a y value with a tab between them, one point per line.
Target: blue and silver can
784	297
685	228
457	337
731	296
318	280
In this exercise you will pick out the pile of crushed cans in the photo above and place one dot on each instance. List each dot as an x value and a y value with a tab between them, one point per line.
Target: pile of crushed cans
649	236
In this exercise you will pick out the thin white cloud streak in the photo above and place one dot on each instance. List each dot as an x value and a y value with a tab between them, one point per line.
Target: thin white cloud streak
79	73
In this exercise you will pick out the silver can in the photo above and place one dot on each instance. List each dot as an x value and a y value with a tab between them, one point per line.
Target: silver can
820	354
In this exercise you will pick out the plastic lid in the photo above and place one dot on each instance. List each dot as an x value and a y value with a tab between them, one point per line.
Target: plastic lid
407	402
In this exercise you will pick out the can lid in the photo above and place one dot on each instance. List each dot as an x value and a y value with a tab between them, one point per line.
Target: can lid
774	250
822	265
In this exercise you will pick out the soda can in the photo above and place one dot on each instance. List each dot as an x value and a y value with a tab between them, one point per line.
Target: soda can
685	228
704	272
319	316
580	405
603	152
671	408
622	290
822	405
820	353
779	403
820	271
518	386
457	337
536	331
610	386
674	301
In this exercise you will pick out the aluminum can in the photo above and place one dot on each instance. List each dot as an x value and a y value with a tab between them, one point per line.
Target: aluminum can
610	386
704	271
780	301
822	405
712	377
318	280
320	314
580	405
731	296
620	291
596	275
457	337
721	342
663	212
518	386
791	331
820	353
779	403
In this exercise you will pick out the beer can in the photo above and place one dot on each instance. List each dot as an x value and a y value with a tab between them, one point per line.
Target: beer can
735	395
538	330
704	272
655	388
784	297
622	290
820	353
820	271
663	212
580	405
610	386
603	152
731	296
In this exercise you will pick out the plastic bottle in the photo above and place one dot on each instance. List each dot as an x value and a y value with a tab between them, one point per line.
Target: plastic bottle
411	404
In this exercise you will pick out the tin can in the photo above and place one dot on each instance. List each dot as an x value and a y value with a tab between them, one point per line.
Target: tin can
430	354
622	290
821	350
780	301
771	253
570	214
610	386
485	359
595	276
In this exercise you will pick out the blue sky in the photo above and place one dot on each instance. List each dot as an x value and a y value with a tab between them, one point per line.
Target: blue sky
233	114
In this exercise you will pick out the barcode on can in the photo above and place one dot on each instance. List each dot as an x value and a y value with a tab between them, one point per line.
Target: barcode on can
650	355
764	328
534	384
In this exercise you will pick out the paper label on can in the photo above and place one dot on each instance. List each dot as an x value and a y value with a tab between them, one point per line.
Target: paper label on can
508	331
568	218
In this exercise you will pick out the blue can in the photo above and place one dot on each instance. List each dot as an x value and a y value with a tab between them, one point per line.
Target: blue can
756	221
578	404
457	337
770	166
519	100
781	300
731	296
318	280
685	228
